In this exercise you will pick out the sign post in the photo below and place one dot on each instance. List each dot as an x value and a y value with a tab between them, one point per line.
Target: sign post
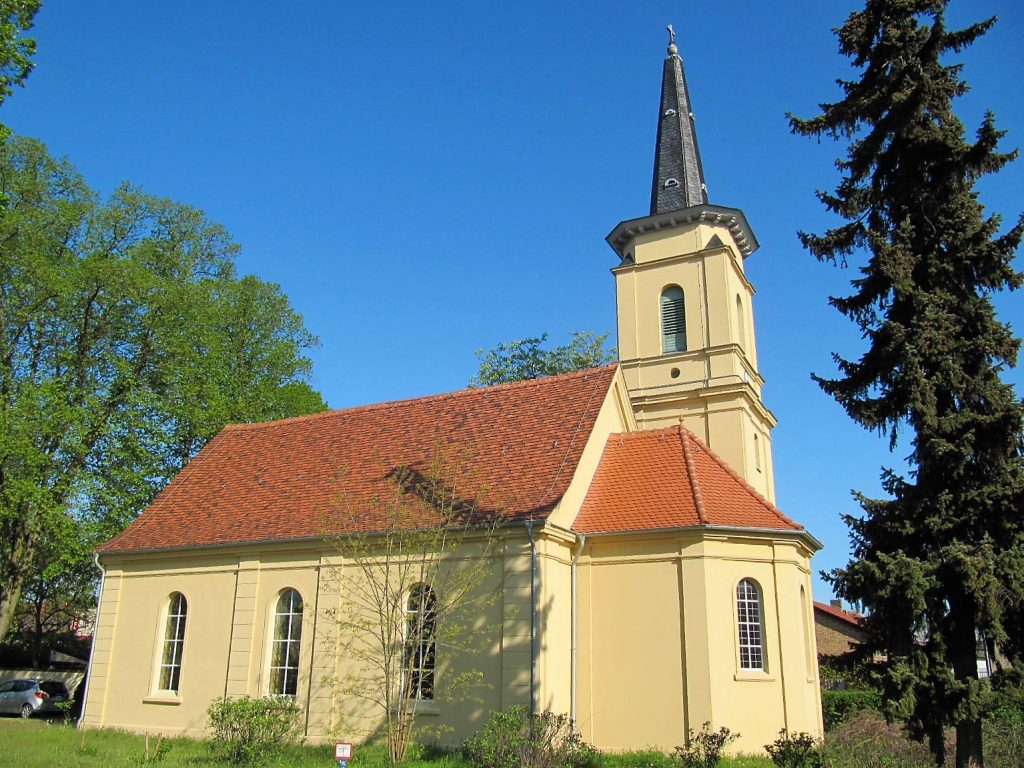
343	753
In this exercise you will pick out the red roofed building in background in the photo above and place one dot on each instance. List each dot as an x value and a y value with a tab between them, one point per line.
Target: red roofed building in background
644	581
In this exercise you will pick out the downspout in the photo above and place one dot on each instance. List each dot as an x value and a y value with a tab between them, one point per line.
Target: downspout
95	632
533	617
581	542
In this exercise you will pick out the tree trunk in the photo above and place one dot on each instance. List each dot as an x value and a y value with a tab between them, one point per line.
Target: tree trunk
9	594
969	745
964	653
22	550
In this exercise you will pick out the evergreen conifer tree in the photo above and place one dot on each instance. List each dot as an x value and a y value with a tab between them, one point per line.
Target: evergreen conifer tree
941	561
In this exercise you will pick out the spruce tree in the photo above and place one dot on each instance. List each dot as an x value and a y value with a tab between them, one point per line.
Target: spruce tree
941	560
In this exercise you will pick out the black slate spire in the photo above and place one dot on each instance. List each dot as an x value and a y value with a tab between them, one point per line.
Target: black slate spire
678	175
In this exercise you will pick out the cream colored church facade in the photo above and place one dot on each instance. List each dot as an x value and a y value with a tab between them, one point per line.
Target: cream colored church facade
645	581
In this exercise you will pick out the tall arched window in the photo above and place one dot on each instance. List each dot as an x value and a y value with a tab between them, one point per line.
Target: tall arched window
809	645
741	325
749	617
673	320
286	644
420	627
174	643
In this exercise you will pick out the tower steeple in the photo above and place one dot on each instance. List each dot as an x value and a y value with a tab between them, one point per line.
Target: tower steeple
685	306
678	175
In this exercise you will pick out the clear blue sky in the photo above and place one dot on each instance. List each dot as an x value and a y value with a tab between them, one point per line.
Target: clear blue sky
428	179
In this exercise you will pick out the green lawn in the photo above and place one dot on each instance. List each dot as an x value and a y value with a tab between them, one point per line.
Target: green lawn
45	744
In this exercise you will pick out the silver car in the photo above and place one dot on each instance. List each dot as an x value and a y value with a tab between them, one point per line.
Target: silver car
26	697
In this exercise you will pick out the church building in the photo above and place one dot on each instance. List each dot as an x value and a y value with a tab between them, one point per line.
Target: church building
644	581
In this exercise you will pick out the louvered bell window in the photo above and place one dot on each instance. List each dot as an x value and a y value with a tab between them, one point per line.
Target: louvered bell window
673	320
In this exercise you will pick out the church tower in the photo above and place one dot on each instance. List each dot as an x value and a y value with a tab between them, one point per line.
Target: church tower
685	306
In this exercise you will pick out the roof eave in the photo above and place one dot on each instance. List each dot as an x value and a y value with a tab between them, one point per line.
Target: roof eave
798	533
734	218
324	538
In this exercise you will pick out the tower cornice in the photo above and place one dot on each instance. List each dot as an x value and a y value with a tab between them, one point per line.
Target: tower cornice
733	218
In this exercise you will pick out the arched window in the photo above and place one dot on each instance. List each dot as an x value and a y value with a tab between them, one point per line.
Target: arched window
749	617
741	325
174	643
420	627
809	645
673	320
286	644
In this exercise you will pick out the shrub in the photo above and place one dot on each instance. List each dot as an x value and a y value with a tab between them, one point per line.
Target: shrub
704	749
517	739
866	740
795	750
248	730
838	706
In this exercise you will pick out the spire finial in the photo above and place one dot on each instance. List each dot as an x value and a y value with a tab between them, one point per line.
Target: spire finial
672	50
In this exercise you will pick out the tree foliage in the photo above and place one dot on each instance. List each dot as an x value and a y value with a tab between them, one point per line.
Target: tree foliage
126	342
527	359
16	50
943	556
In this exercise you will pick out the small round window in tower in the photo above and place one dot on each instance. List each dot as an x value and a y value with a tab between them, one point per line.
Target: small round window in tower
670	112
671	183
674	373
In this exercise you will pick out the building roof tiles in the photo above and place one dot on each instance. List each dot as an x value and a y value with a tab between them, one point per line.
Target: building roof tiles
514	447
667	478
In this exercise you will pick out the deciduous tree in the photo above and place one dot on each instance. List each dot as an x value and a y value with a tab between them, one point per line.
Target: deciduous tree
126	342
942	558
527	359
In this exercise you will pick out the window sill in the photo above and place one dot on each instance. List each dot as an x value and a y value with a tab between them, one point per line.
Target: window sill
166	700
428	708
752	676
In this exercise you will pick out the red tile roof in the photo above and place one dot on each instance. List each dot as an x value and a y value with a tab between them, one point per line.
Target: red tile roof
667	478
850	617
518	444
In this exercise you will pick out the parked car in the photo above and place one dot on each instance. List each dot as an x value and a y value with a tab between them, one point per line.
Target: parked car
27	697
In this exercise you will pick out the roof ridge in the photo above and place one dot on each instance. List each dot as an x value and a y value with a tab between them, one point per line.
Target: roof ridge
572	440
840	613
691	473
333	412
736	476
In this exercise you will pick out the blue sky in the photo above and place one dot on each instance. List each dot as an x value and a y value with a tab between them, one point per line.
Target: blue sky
425	180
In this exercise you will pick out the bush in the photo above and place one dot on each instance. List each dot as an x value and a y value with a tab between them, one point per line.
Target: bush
249	730
795	750
865	739
704	749
838	706
517	739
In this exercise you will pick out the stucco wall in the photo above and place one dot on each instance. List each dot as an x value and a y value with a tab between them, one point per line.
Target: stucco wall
231	599
662	608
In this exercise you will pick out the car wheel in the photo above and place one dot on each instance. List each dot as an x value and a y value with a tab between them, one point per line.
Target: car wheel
26	710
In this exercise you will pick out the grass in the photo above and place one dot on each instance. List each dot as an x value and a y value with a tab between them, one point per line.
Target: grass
43	744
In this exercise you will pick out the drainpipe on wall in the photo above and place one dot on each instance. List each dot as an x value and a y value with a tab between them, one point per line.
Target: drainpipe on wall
95	631
533	617
581	542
